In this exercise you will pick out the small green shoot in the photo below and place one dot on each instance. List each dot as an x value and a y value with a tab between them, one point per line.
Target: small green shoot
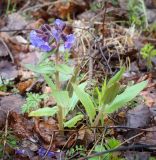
32	102
110	144
148	52
137	13
77	149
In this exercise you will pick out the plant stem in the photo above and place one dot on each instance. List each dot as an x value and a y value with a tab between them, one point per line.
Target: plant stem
97	119
60	110
57	73
60	119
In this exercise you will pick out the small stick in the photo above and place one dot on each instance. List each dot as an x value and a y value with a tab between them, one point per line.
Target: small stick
8	50
123	148
51	141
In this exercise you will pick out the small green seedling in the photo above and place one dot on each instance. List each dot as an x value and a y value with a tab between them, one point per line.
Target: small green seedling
137	13
148	52
110	144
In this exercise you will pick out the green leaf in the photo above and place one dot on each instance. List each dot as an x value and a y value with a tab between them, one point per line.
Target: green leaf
63	68
62	99
72	122
46	111
112	143
86	101
153	53
74	99
116	77
47	67
64	77
126	96
110	93
99	148
49	82
32	102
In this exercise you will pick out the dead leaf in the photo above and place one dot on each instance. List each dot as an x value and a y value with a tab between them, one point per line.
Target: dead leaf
21	126
131	155
4	93
15	22
3	50
150	137
149	96
138	117
8	104
7	70
29	58
22	86
46	128
86	136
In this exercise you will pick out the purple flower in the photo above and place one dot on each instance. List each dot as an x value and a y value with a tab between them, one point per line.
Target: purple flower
39	41
59	24
42	151
20	151
57	35
70	39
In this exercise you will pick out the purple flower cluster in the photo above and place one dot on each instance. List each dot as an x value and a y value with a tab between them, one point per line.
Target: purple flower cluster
49	37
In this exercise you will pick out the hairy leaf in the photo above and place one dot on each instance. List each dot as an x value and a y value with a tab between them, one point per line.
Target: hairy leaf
74	99
63	68
129	93
117	76
46	111
46	67
62	99
72	122
86	101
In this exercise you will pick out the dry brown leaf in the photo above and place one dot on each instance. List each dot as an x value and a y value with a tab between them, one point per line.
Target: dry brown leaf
46	129
138	117
15	22
22	86
7	70
21	126
150	137
4	93
8	104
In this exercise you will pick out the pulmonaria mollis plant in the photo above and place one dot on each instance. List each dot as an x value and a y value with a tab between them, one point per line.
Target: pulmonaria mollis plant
49	37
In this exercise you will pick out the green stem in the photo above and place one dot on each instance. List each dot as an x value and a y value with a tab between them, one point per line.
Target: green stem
60	110
97	119
8	6
60	119
57	73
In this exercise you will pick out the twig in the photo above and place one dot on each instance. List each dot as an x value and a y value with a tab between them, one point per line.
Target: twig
8	50
25	6
15	30
109	127
5	132
51	141
105	59
90	65
38	6
123	148
104	18
102	135
137	135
